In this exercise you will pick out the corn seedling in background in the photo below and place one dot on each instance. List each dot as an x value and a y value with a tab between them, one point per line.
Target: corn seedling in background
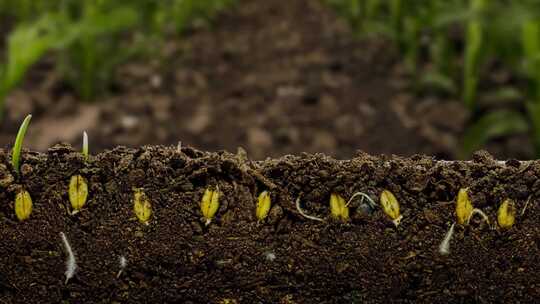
141	206
473	48
23	200
71	263
506	215
338	207
209	204
390	206
263	205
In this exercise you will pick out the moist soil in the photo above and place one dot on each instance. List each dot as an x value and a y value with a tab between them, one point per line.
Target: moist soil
285	258
275	77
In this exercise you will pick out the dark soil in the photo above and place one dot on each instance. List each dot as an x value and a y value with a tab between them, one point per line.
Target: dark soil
274	77
284	259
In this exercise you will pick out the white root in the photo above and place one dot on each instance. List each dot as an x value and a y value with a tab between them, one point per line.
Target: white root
364	196
71	264
304	214
123	264
444	248
480	212
526	205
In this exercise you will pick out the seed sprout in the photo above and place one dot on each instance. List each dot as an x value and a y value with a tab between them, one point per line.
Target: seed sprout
85	145
16	155
338	208
390	206
464	207
364	196
304	214
71	264
479	212
506	215
78	192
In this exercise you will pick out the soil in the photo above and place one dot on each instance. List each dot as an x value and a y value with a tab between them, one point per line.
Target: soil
275	77
286	258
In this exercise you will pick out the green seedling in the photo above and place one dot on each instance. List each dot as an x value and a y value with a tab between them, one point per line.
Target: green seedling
474	40
16	154
23	200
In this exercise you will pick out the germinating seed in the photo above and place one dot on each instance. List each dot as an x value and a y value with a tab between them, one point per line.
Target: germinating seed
23	205
263	205
78	192
506	215
209	204
390	206
464	207
141	206
338	207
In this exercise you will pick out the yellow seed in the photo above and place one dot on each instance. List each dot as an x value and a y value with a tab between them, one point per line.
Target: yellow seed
23	205
141	206
263	205
210	204
506	214
390	206
464	206
338	207
78	192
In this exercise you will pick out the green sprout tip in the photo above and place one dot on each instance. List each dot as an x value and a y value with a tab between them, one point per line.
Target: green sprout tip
85	145
16	155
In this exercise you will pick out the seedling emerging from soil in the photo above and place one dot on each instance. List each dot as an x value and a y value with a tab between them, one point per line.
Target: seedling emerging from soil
390	206
444	248
85	145
71	264
338	208
305	214
464	206
78	192
141	206
506	215
16	154
210	204
23	205
263	205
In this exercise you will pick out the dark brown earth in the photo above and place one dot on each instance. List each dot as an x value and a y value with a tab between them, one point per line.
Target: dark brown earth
274	77
284	259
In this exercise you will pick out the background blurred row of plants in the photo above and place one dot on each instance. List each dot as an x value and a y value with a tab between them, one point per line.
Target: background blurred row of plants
89	39
457	48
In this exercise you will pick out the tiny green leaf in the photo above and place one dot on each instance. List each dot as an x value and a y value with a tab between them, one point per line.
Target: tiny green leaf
16	154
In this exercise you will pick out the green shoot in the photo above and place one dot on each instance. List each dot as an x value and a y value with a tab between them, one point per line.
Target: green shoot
16	154
474	40
85	145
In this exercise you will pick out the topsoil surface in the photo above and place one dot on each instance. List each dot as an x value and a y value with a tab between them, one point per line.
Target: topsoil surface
286	258
273	76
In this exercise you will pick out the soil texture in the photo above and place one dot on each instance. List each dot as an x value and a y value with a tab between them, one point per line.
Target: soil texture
286	258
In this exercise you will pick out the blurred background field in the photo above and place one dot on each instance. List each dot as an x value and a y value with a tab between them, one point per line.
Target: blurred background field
440	77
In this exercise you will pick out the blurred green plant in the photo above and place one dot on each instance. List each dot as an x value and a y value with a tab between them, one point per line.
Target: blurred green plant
460	41
91	38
